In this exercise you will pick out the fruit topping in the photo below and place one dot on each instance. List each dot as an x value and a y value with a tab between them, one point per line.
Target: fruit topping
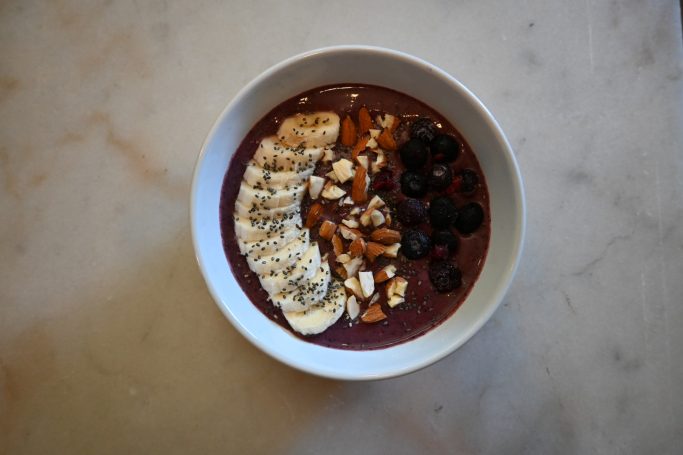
415	244
445	148
413	154
423	129
411	211
413	184
464	182
440	252
442	212
444	276
440	176
469	218
444	237
383	181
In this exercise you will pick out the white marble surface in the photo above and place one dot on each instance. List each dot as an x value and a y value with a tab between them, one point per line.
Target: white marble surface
110	343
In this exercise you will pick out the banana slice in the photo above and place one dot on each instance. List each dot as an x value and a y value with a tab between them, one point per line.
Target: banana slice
307	295
313	130
297	274
256	176
269	246
272	155
254	210
255	228
320	316
269	198
285	257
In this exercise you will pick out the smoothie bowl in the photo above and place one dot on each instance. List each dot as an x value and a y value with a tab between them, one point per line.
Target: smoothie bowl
357	213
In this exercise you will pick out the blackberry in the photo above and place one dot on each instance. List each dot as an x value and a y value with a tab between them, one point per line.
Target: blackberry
415	244
444	276
413	154
413	184
445	148
469	218
442	212
423	129
411	211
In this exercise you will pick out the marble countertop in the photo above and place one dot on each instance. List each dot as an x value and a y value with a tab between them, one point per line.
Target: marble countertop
110	342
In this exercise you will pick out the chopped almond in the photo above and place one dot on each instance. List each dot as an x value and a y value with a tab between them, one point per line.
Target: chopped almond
364	161
374	298
386	236
341	271
353	266
395	121
350	223
380	163
385	274
354	211
314	214
333	176
372	144
364	120
352	307
401	286
386	140
349	233
374	313
357	247
374	133
343	168
375	202
387	219
373	250
315	186
337	245
333	192
343	258
359	147
367	283
390	288
353	285
377	218
348	132
395	300
327	229
392	250
359	190
328	155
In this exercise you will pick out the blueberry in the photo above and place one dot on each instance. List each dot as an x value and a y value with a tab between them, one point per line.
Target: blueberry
442	212
469	218
446	238
415	244
440	252
444	276
423	129
411	211
445	148
469	180
440	177
413	184
413	154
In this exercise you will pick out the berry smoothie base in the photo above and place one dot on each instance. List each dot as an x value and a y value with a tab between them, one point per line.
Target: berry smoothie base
424	307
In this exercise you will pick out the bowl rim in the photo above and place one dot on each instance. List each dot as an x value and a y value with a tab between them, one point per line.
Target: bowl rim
520	215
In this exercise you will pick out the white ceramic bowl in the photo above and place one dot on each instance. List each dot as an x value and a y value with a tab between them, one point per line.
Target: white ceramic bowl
407	74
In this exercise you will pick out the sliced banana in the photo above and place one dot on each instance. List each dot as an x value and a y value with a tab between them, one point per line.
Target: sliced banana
285	257
256	176
307	295
272	155
313	130
269	198
295	275
322	315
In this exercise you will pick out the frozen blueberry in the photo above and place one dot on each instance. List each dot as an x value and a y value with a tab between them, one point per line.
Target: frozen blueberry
415	244
384	181
423	129
413	154
444	276
469	218
446	238
413	184
464	182
440	177
440	252
442	212
411	211
445	148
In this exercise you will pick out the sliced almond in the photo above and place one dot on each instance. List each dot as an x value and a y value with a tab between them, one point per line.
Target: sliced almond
327	229
332	176
373	250
314	214
357	247
386	236
364	161
343	258
353	285
352	307
343	169
390	288
337	245
359	190
350	223
367	283
333	192
385	274
376	202
401	286
349	233
395	300
353	266
379	163
365	219
315	186
348	200
374	313
377	218
392	250
374	298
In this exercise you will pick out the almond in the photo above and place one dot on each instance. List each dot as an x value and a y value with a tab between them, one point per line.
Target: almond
332	192
401	286
350	222
315	186
343	258
337	245
377	218
385	274
386	140
364	120
314	214
373	250
392	250
353	285
363	161
348	132
349	233
328	155
341	271
353	266
367	283
327	229
357	247
359	147
386	236
390	288
387	219
374	298
395	300
359	190
343	168
374	313
352	307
